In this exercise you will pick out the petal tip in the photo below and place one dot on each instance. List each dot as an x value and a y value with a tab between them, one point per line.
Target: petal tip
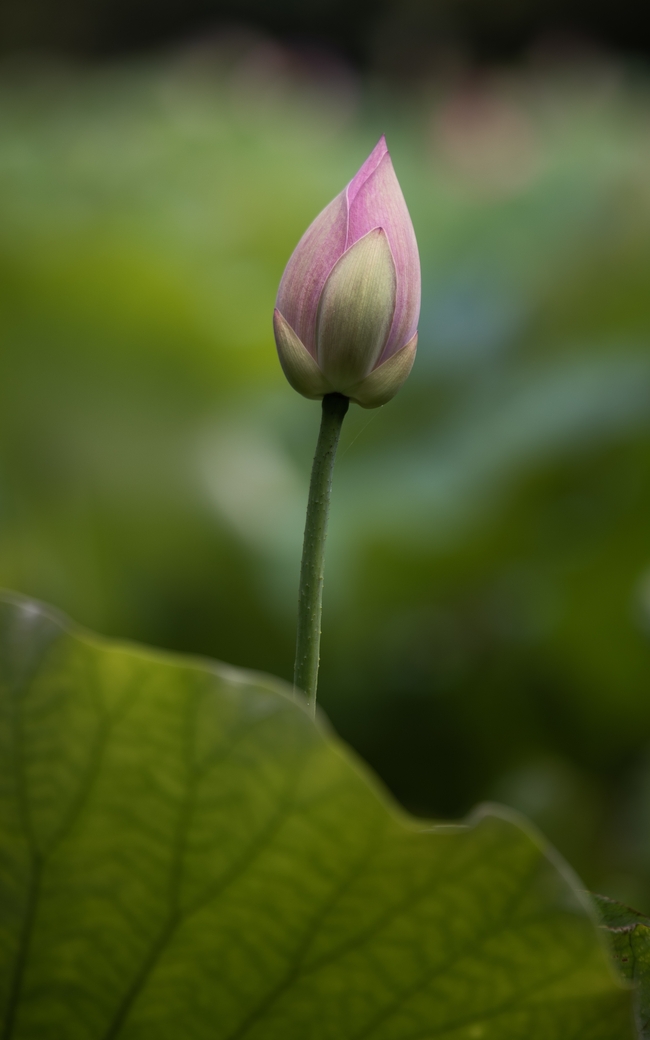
366	169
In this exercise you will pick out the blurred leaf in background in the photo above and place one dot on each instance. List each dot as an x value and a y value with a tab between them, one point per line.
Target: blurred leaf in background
488	596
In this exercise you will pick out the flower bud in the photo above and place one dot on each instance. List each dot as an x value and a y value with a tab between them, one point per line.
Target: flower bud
349	300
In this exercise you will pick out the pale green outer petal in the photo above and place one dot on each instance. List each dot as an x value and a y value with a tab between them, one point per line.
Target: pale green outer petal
297	363
356	311
382	384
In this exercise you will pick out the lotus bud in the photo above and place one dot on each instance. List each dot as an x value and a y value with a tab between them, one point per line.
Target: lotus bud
349	300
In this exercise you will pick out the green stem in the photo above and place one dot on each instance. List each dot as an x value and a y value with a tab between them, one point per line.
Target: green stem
310	595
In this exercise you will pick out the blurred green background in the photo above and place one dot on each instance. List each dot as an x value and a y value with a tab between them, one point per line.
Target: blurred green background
487	608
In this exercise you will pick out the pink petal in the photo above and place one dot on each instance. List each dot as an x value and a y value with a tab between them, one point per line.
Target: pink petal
368	168
309	265
379	202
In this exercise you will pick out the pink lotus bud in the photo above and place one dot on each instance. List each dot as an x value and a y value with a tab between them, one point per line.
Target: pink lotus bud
349	300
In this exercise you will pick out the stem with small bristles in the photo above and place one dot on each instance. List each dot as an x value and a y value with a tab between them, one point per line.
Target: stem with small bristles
310	595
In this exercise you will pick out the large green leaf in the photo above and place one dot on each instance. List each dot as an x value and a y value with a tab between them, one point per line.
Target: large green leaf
629	934
186	855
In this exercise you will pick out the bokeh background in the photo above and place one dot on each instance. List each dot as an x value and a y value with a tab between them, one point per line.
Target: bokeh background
487	617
